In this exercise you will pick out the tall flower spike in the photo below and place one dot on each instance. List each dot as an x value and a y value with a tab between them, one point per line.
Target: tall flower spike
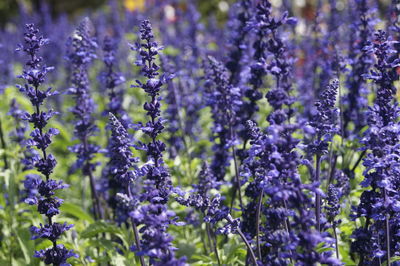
238	43
121	168
154	217
176	141
314	70
379	204
34	75
186	68
111	80
319	132
80	55
224	101
29	155
323	124
355	103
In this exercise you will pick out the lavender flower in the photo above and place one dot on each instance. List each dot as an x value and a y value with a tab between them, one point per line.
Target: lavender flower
56	255
354	101
202	200
320	130
34	75
224	101
120	167
80	56
121	156
277	193
154	217
18	135
323	125
111	80
267	41
332	208
21	126
238	44
314	70
379	203
211	208
176	141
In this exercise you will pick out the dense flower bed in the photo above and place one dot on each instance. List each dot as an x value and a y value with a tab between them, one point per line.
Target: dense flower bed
160	137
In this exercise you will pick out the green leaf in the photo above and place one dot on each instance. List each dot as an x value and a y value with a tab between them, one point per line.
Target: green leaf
99	227
76	211
23	237
118	260
395	258
321	248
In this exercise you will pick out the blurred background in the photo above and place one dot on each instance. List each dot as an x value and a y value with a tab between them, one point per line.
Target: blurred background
10	9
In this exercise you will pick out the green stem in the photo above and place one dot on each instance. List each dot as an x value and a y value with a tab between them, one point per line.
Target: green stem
336	240
3	146
253	257
387	230
259	204
213	243
317	195
135	231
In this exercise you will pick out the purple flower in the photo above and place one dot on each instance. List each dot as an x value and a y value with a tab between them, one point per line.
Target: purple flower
237	39
355	102
173	113
323	124
80	55
56	255
154	217
111	80
21	127
379	203
41	192
51	232
332	207
120	168
31	184
278	194
224	101
18	135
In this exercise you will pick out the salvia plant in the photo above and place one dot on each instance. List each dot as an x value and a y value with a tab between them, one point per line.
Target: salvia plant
34	76
378	204
255	133
80	55
155	217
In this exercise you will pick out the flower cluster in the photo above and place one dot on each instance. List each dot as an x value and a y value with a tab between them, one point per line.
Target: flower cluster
238	44
224	100
379	204
47	204
323	124
121	161
18	135
332	207
111	80
354	101
80	55
173	99
201	200
296	120
288	231
154	217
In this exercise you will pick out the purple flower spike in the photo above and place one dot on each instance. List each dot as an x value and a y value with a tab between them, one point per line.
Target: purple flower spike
38	191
